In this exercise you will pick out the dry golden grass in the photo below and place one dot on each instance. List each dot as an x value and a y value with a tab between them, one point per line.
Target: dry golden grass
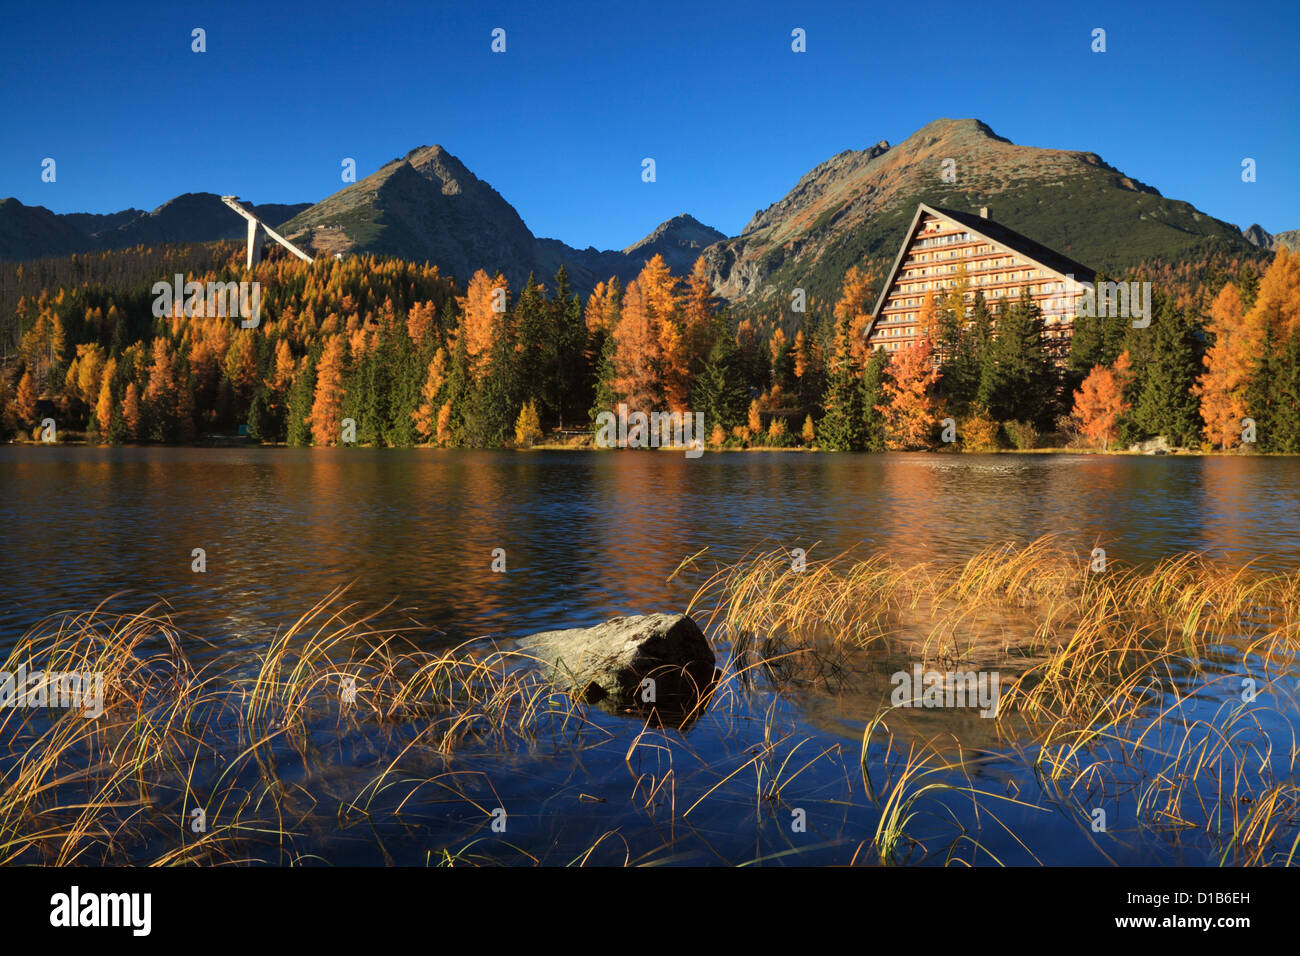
1122	685
1106	668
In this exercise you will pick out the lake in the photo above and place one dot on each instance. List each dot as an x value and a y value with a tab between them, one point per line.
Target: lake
587	536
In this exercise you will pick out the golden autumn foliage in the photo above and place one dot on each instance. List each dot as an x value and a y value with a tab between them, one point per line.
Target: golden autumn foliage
131	410
853	305
482	314
1277	306
82	380
927	321
163	396
104	401
25	399
911	412
443	434
240	364
602	309
426	418
327	407
808	434
1099	402
636	351
979	430
1228	366
1240	340
285	367
802	355
419	320
528	426
685	331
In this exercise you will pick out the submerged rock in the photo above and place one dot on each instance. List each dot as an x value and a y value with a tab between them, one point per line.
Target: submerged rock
642	661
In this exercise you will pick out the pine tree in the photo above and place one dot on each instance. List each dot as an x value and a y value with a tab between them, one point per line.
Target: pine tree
1166	404
573	376
492	407
844	425
720	392
301	395
1018	379
875	401
537	364
961	375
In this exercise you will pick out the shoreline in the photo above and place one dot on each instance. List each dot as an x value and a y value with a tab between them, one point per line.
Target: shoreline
233	442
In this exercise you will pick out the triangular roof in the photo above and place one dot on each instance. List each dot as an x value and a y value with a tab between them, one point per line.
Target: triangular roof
1037	253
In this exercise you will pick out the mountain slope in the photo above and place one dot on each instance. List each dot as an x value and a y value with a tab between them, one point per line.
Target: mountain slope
428	206
1256	235
855	207
31	232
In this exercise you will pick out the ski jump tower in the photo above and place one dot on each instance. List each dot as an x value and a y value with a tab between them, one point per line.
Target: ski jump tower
256	230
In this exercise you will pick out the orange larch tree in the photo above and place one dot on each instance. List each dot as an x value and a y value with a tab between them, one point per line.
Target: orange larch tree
327	408
686	345
26	398
104	403
1228	363
427	415
602	308
636	357
482	316
1099	402
911	410
131	416
853	304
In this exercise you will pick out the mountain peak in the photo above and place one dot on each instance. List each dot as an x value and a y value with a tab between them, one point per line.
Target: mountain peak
680	240
945	126
1256	235
855	206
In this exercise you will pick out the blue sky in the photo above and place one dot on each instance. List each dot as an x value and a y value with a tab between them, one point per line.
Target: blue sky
560	122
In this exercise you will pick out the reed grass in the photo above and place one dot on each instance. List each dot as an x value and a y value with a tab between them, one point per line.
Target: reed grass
1124	690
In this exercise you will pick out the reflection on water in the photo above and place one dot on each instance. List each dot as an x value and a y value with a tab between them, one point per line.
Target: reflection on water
589	536
586	535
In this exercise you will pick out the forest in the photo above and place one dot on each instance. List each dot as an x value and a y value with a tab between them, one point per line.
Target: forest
411	357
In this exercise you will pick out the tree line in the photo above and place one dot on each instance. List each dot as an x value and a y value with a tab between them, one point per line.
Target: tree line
409	357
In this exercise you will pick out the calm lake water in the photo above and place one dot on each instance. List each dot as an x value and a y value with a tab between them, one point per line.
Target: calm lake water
586	536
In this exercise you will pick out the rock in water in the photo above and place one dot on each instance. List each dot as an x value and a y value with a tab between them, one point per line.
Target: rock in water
612	663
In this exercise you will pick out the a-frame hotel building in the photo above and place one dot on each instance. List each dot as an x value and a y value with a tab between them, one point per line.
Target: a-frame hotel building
997	260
